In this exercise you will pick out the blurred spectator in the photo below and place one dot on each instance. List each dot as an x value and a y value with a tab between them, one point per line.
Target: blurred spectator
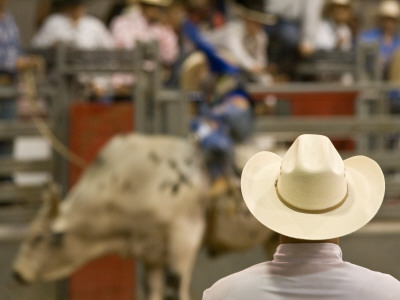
73	27
11	62
208	15
294	32
218	13
394	97
44	8
386	32
116	9
394	69
245	39
147	22
334	32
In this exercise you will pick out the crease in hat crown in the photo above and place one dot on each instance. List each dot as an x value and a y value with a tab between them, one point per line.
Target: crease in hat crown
312	176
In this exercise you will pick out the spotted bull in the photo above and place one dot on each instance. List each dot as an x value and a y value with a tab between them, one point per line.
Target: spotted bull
143	196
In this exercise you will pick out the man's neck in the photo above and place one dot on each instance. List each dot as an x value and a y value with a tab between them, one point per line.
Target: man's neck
288	240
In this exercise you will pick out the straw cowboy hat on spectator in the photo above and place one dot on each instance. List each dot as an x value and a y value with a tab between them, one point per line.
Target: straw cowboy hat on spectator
389	8
156	2
311	193
340	2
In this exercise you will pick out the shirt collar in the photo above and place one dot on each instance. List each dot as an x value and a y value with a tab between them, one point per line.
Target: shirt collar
308	252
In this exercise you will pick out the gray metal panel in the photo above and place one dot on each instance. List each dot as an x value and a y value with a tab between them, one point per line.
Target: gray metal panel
8	166
15	194
339	126
11	129
386	159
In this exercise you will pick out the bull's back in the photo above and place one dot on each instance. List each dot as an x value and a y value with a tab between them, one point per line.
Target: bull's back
138	173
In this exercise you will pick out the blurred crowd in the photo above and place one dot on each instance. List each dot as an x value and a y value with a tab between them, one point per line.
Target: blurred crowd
265	39
210	48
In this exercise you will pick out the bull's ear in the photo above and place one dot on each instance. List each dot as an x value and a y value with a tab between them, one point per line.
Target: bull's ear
52	196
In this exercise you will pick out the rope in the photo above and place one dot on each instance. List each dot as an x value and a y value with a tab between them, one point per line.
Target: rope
29	80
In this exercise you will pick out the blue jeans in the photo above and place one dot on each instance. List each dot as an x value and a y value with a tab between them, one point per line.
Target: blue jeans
288	32
284	39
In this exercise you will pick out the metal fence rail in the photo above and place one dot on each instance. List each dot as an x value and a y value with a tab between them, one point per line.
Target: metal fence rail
338	126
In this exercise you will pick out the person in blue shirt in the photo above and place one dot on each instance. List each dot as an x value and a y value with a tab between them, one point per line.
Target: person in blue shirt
385	34
11	62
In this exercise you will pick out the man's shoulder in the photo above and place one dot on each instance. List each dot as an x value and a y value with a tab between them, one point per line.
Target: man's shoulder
373	281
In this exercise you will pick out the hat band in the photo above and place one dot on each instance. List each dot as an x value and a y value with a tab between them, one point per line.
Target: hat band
310	211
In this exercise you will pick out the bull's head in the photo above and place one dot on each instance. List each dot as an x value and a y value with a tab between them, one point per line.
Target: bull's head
52	251
40	238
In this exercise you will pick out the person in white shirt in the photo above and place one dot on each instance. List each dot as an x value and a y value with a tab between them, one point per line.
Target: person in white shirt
74	27
311	197
244	38
334	33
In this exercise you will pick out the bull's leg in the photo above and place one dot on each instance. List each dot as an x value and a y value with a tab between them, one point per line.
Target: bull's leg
155	282
185	240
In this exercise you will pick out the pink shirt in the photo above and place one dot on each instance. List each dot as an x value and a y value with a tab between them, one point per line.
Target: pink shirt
131	27
304	272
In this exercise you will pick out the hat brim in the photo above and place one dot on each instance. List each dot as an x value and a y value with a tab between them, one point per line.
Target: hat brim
366	189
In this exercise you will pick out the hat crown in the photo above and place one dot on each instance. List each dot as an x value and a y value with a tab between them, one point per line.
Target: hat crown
389	8
312	176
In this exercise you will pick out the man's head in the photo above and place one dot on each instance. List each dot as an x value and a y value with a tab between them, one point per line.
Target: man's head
3	5
388	16
340	11
74	9
312	194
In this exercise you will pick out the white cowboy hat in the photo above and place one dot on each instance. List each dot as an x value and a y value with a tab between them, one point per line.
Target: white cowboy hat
311	193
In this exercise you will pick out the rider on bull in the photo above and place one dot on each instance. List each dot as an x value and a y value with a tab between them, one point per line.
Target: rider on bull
222	107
